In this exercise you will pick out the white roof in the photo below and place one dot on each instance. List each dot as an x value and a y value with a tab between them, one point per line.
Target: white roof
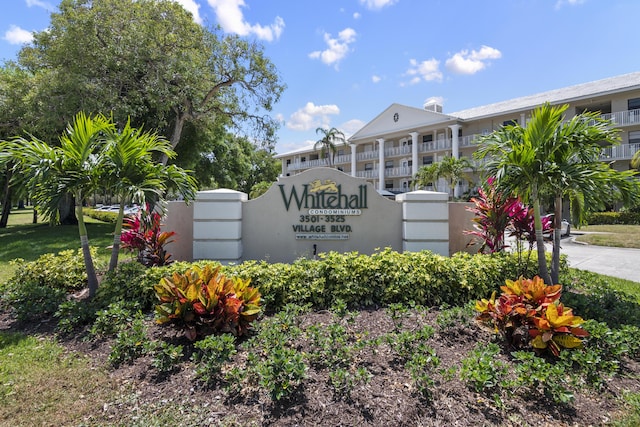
570	93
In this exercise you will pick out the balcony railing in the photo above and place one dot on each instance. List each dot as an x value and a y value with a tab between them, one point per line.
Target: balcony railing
624	118
620	152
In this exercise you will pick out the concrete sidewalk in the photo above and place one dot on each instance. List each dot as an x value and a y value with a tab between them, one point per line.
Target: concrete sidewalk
623	263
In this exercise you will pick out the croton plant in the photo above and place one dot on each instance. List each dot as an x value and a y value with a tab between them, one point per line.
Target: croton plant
529	312
203	301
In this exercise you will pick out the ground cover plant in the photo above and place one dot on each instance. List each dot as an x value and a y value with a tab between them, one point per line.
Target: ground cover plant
399	351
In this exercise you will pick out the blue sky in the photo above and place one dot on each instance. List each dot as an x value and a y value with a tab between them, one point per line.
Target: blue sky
345	61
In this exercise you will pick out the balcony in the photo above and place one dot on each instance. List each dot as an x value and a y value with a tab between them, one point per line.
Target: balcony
623	118
619	152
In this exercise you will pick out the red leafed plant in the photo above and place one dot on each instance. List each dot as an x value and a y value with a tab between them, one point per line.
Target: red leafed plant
204	301
143	234
529	313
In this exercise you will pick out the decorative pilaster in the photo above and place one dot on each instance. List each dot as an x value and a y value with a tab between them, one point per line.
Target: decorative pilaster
353	159
380	164
414	153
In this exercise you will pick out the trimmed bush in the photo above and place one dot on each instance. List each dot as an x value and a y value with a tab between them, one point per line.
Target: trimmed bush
614	218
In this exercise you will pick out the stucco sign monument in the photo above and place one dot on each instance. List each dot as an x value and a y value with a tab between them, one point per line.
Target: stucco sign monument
319	210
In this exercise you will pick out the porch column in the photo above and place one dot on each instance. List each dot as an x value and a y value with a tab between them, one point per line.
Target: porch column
380	164
414	153
455	144
353	159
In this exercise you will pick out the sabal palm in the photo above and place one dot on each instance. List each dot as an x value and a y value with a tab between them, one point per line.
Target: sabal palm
51	173
129	169
327	144
550	156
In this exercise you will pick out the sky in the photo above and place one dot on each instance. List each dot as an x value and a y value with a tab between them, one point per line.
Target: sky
344	62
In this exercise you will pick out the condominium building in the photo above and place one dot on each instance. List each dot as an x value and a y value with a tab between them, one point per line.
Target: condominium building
390	149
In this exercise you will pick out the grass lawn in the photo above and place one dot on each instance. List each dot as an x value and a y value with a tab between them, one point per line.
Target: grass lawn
618	236
22	239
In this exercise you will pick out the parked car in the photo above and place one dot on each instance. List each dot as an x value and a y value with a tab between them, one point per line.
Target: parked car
565	227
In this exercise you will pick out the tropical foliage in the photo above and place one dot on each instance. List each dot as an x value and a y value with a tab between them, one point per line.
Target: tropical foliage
529	313
328	143
450	169
551	156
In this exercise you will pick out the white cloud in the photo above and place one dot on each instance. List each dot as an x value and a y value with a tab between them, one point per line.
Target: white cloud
465	62
356	15
312	116
192	7
231	19
561	3
17	35
352	126
375	79
377	4
39	3
428	70
337	48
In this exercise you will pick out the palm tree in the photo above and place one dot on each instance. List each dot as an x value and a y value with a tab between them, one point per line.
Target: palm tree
52	173
551	156
450	168
327	144
128	168
427	175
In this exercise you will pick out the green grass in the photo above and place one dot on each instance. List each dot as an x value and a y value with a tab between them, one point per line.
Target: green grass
619	236
22	239
60	388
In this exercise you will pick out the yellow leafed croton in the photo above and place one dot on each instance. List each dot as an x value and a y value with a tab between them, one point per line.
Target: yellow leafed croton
528	312
204	301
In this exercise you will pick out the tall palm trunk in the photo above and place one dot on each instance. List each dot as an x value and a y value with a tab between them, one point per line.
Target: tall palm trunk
557	231
542	259
113	262
86	251
6	200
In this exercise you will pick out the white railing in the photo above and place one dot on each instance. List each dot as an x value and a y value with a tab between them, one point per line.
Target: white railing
397	151
623	118
620	152
370	174
367	155
398	171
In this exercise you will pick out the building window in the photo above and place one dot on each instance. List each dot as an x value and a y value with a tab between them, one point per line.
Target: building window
388	185
634	137
313	157
340	153
288	162
634	104
303	159
368	166
427	138
388	164
410	163
510	122
427	160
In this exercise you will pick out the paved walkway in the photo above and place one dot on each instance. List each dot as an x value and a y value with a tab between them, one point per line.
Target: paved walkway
617	262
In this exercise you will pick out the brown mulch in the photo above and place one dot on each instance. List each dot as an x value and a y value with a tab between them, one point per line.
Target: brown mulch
389	398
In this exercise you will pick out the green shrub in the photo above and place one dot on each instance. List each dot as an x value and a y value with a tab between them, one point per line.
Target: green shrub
611	218
128	283
115	318
32	301
166	357
213	352
104	216
64	270
130	343
74	314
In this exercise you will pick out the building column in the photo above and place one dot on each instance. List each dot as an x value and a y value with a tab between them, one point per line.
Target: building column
455	153
380	164
414	153
353	159
455	143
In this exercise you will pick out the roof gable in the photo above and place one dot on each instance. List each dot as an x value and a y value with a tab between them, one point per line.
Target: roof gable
398	118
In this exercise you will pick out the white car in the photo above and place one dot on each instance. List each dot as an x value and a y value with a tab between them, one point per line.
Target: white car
565	227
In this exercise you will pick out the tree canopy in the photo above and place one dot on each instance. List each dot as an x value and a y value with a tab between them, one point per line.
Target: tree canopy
147	60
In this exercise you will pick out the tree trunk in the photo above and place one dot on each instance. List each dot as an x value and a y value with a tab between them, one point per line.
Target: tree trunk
115	251
176	135
67	212
542	259
6	200
557	231
35	216
92	278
